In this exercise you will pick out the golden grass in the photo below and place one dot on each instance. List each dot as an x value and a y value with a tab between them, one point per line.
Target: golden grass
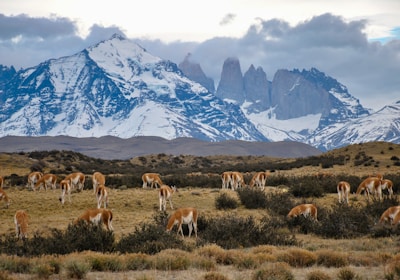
368	257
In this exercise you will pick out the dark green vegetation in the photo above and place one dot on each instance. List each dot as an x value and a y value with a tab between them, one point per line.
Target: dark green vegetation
204	172
340	221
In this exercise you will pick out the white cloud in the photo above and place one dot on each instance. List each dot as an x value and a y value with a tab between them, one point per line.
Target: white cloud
337	37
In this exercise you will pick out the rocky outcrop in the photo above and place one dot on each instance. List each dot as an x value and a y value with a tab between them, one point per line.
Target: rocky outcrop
294	96
231	86
256	87
6	74
194	72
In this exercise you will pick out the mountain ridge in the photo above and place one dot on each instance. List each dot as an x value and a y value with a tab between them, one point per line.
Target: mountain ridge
111	147
117	88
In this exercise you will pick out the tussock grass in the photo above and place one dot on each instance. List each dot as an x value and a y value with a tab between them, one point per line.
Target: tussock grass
318	275
360	257
274	271
298	257
332	258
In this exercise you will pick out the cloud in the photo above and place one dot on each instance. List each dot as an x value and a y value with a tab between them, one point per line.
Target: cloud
327	42
44	28
27	41
228	18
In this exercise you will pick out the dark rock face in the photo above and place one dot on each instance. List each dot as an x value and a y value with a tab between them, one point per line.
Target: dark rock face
256	87
294	96
6	74
231	86
194	72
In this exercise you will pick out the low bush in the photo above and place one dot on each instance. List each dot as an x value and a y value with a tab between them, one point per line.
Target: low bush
230	232
308	186
150	238
224	202
344	221
252	198
303	224
280	203
76	238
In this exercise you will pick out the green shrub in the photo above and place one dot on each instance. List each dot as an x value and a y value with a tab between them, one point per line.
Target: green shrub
88	236
231	231
307	186
344	221
224	201
303	224
279	203
80	237
252	198
272	231
150	238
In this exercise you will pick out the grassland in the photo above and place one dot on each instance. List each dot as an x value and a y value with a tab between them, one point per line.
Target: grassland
366	257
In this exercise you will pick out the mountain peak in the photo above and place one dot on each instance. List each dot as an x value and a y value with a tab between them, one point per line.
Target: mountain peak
117	88
118	36
194	72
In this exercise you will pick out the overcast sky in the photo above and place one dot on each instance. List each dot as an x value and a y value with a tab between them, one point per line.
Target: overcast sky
356	42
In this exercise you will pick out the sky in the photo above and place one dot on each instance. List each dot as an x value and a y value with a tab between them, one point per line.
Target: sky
356	42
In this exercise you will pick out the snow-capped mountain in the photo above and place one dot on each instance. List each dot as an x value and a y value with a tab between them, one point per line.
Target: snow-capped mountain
117	88
384	125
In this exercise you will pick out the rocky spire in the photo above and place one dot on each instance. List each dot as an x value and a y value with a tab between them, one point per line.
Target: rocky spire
194	72
231	85
256	87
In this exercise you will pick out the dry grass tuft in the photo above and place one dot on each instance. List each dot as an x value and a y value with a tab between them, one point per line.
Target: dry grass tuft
137	261
332	258
298	257
274	271
215	252
214	276
172	259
